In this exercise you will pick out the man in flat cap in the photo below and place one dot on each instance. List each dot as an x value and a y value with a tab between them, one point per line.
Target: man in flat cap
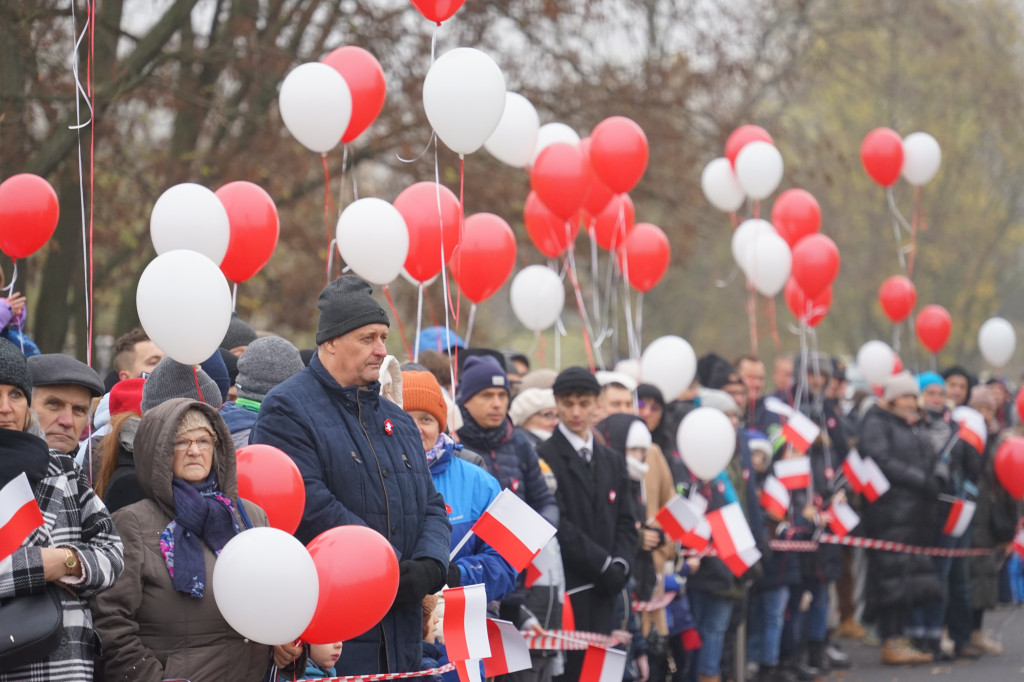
362	462
62	393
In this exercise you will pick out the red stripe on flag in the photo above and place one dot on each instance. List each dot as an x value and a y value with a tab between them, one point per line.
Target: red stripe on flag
455	625
669	524
503	541
773	506
22	523
568	618
496	664
971	438
593	664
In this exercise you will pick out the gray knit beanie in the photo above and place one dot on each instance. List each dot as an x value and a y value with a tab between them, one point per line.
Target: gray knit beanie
238	334
346	304
14	368
265	363
171	379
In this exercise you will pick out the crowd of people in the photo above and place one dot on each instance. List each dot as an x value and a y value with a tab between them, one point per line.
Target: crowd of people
135	475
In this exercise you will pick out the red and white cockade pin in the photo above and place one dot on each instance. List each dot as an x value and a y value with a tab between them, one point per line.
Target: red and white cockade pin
611	496
388	427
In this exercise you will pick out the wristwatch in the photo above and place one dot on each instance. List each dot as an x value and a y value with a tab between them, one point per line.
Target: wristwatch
71	560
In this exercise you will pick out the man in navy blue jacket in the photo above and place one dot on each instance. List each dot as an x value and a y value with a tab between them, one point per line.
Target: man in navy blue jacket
362	464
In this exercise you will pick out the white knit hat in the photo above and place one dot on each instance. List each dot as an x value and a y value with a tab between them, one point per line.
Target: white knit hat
529	402
901	384
718	399
638	436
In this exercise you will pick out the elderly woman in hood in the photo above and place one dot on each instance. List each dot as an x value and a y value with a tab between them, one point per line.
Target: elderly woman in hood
160	620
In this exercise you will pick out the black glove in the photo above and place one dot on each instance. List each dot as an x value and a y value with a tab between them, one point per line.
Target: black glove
454	575
416	579
941	472
613	579
933	485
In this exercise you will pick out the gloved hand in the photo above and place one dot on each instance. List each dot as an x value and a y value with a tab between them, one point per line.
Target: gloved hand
933	485
454	575
613	579
941	472
416	579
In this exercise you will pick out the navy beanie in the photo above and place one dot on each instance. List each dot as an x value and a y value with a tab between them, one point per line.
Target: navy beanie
478	374
217	369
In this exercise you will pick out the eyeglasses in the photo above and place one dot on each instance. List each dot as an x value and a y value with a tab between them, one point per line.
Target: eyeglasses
204	443
548	414
650	404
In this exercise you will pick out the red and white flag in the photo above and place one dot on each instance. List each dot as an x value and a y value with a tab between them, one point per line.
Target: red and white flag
568	617
800	431
795	473
546	568
877	484
509	652
19	514
699	538
469	671
603	665
740	563
959	518
1018	542
856	474
465	623
729	530
679	516
775	497
973	429
513	529
843	520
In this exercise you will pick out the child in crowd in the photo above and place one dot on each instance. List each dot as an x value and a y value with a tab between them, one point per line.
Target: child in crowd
12	322
434	654
321	660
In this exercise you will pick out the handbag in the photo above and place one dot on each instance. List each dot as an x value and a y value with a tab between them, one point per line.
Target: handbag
30	627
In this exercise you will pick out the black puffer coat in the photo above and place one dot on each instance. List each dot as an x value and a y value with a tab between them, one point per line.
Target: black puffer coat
906	513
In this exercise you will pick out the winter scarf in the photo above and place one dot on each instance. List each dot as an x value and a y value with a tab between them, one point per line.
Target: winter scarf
477	436
434	453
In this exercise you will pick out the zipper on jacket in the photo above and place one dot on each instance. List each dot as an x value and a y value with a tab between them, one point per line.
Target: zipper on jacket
408	464
376	459
356	457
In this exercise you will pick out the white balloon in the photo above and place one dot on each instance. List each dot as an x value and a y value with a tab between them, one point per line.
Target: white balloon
464	97
759	169
706	440
538	297
515	138
551	133
630	368
316	106
265	585
743	237
670	364
997	341
768	263
721	187
875	360
184	304
190	216
922	157
411	280
373	239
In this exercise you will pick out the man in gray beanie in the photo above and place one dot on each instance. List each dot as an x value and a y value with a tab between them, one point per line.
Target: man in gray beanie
171	379
361	459
265	363
238	336
62	393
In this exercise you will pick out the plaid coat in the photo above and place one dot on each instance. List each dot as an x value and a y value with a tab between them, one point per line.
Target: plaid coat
76	518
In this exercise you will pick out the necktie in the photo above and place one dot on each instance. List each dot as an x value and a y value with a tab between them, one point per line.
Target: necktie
585	453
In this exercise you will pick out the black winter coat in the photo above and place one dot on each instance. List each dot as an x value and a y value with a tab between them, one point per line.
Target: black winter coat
906	513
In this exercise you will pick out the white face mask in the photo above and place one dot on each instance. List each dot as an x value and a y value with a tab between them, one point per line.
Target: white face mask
636	469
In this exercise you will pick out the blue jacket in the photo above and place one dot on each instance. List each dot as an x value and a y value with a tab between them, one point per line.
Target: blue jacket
468	490
362	463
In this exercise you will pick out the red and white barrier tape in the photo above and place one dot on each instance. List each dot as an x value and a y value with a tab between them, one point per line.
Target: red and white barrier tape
866	543
389	676
567	640
654	604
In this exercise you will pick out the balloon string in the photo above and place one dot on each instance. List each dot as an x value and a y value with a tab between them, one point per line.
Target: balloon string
897	222
419	323
734	219
327	214
801	376
195	376
757	208
401	325
587	336
82	93
540	343
469	323
234	296
14	276
916	220
344	167
752	315
773	322
92	187
595	275
446	292
639	318
462	230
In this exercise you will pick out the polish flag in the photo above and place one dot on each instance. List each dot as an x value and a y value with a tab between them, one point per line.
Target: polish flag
775	497
19	514
1018	543
465	623
844	519
546	567
679	516
877	484
794	473
509	652
513	529
568	617
856	474
959	518
740	563
973	429
729	530
603	665
469	671
800	431
699	538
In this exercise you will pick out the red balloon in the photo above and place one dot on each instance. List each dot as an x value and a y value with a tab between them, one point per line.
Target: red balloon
357	567
599	194
618	153
933	325
365	80
881	152
809	312
644	256
795	215
485	257
1009	466
254	225
1020	405
815	263
28	214
427	225
615	222
897	296
741	137
549	233
897	364
561	179
437	10
269	477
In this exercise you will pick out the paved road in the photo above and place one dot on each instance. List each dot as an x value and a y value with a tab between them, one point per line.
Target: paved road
1006	625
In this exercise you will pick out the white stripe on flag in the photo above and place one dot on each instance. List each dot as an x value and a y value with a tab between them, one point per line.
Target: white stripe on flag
959	518
13	496
19	514
800	431
877	484
509	652
729	530
775	497
469	671
844	519
853	467
465	623
513	529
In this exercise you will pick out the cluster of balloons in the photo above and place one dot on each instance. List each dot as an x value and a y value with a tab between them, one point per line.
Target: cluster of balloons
886	157
28	214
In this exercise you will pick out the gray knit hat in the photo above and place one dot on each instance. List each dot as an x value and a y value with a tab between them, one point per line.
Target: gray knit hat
14	369
346	304
265	363
53	369
171	379
238	334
